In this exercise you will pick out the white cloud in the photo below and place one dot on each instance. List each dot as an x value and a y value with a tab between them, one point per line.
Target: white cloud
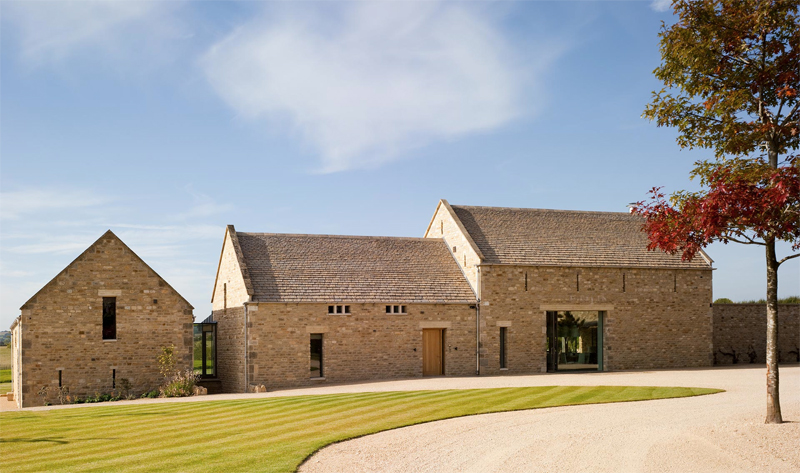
363	82
52	31
15	204
203	206
661	5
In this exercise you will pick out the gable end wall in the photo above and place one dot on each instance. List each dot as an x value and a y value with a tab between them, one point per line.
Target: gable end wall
61	327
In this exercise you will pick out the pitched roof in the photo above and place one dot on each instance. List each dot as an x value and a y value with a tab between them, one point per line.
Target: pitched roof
538	237
328	268
111	235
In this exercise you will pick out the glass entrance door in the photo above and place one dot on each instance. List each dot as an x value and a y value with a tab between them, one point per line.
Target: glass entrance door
574	341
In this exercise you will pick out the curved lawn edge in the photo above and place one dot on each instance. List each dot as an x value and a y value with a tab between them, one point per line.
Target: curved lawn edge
701	392
275	434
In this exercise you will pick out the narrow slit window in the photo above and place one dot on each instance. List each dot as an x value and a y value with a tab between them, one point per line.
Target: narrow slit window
623	283
113	379
526	280
441	227
316	356
109	318
675	282
59	379
578	282
503	347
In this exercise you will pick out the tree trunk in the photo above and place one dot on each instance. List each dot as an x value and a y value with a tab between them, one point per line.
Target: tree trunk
773	395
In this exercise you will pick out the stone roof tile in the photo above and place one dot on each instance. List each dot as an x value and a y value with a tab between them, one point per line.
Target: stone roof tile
329	268
537	237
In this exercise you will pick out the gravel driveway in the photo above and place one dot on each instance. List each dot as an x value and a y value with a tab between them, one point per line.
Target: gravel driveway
716	433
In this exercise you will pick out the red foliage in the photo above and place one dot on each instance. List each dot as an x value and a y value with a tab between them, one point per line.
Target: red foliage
746	202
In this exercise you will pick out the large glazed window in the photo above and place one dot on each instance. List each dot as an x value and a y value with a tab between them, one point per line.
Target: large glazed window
574	340
109	318
316	356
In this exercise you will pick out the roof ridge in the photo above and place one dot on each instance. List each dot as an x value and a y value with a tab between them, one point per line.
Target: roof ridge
322	235
540	210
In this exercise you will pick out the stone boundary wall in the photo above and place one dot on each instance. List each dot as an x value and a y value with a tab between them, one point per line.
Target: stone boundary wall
740	327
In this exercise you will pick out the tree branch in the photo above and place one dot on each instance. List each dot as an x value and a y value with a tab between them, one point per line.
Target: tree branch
749	241
788	258
790	114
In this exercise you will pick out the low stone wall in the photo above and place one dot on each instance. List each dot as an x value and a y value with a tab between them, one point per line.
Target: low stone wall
740	330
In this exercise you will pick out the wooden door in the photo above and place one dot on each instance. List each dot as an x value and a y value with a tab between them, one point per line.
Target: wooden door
432	354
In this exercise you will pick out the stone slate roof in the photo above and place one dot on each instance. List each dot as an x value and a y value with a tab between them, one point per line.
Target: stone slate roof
328	268
537	237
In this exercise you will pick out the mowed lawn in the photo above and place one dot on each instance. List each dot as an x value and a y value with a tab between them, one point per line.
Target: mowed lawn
264	435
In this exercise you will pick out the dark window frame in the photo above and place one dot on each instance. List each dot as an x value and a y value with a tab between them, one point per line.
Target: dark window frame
503	347
109	318
321	343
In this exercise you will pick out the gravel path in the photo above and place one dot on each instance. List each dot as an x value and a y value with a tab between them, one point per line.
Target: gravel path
717	433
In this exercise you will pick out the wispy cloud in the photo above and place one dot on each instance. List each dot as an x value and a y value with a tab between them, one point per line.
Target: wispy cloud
14	204
661	5
363	82
203	206
50	32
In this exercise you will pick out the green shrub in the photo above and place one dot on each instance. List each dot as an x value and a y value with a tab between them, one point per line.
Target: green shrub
181	385
723	300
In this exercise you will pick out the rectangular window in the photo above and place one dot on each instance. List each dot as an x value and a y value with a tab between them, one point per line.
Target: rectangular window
113	379
316	355
395	309
503	345
59	378
339	309
109	318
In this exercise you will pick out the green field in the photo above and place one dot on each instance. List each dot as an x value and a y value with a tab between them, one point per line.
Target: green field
265	435
5	369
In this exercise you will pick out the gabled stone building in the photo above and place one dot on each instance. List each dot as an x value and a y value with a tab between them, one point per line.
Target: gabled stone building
103	318
562	290
486	291
297	310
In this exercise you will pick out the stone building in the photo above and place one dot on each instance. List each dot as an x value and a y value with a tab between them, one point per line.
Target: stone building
486	291
104	318
297	310
568	290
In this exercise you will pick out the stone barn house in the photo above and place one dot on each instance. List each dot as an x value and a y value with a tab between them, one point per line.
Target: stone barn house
486	291
297	310
104	318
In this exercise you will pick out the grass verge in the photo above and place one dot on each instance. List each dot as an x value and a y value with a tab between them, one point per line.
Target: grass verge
265	435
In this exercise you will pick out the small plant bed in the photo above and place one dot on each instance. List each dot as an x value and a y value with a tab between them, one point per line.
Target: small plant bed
265	435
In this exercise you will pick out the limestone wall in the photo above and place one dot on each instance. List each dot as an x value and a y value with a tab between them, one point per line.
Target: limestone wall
654	318
230	349
444	226
61	328
229	287
738	327
367	344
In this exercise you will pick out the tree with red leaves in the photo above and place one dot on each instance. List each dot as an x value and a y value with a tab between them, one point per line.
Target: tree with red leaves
731	70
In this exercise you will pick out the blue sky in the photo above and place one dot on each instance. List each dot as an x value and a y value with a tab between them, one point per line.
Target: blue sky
164	121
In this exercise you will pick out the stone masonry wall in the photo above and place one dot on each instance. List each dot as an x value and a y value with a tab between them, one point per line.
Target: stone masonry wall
367	344
61	329
444	225
738	327
657	318
230	348
229	289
